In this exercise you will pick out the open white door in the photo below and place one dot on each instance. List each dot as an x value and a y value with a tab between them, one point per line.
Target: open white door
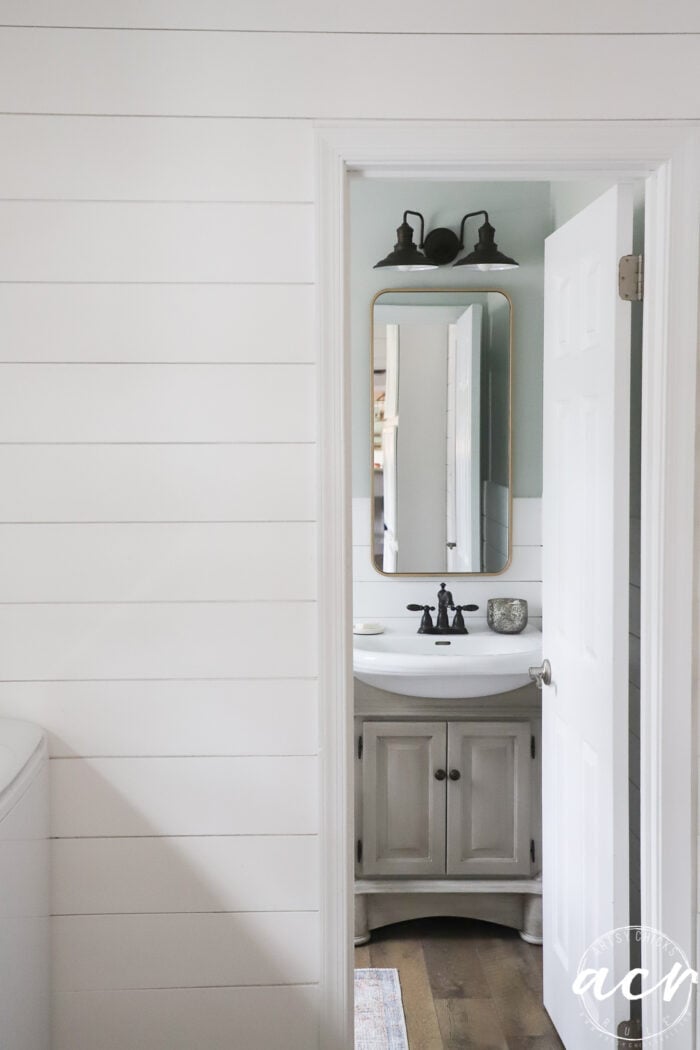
585	605
464	443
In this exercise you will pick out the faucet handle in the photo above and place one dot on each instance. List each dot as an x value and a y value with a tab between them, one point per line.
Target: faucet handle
426	624
458	624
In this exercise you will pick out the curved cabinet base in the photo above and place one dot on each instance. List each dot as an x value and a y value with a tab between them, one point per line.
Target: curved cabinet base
516	905
529	939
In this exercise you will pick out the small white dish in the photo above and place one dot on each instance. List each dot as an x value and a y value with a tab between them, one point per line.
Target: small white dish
368	628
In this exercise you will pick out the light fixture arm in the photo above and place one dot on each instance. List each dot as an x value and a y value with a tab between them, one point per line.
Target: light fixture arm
422	224
469	215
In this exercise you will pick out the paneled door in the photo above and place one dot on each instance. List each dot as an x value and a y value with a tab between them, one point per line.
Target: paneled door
488	798
403	798
585	599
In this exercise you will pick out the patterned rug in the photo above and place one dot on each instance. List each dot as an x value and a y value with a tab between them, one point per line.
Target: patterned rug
379	1020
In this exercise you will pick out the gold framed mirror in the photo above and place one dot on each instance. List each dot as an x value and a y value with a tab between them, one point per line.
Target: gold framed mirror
441	431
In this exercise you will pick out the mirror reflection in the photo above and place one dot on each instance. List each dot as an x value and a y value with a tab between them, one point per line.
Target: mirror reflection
441	456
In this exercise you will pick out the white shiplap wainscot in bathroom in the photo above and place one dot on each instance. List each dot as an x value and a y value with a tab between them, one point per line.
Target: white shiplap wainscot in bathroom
377	597
157	464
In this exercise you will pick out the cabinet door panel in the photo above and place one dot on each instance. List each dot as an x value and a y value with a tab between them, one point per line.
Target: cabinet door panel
403	805
488	807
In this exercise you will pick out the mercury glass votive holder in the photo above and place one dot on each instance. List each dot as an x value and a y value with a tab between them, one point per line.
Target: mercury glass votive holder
506	615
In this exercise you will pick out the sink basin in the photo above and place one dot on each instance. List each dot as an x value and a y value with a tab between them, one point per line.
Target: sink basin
480	663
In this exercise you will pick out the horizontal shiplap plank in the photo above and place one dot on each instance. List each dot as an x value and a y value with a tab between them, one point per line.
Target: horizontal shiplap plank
275	1018
157	322
157	562
201	874
88	241
526	565
527	521
361	521
157	403
157	159
122	641
363	564
230	74
104	797
267	717
389	598
64	483
444	16
180	951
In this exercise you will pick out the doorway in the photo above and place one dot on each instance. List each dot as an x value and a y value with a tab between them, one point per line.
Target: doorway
484	861
672	198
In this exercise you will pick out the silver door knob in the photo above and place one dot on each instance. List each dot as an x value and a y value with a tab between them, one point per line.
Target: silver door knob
541	675
451	546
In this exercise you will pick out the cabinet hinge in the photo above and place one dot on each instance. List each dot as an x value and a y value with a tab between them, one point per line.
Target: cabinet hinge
631	278
359	851
360	747
533	748
532	850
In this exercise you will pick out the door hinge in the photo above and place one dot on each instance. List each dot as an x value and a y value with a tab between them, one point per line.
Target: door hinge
359	851
629	1035
533	748
532	850
631	278
360	747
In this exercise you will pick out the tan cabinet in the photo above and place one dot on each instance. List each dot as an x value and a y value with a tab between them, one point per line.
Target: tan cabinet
445	798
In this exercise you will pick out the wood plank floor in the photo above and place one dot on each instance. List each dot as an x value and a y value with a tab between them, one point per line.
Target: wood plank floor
466	985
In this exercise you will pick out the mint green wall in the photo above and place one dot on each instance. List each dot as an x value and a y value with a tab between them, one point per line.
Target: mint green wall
569	198
521	213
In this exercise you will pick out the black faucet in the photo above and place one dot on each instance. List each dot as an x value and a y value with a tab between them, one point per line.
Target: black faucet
442	624
445	602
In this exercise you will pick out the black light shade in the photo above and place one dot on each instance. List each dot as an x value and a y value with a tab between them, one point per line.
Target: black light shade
486	255
406	256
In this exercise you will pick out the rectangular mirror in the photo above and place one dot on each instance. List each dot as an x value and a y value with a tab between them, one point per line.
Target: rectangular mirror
441	431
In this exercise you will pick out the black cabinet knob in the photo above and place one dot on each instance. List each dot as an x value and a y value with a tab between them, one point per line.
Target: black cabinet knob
455	774
440	774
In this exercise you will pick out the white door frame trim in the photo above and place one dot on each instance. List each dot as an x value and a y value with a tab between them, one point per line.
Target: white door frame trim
668	155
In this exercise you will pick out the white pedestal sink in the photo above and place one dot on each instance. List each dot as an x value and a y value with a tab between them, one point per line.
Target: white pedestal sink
480	663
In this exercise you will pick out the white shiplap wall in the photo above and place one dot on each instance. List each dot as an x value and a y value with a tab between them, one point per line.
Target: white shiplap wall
157	566
157	427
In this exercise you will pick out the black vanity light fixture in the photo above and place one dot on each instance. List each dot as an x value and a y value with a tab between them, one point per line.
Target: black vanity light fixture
406	256
442	246
486	255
